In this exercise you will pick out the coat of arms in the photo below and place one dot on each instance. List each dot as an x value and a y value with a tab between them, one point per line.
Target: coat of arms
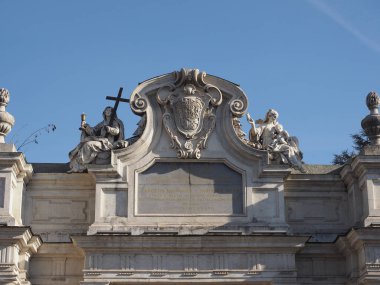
189	115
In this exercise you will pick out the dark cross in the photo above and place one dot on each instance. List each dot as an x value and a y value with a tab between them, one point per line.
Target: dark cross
117	99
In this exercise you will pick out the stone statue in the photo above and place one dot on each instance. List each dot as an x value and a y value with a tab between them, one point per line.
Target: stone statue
271	136
139	131
95	141
135	136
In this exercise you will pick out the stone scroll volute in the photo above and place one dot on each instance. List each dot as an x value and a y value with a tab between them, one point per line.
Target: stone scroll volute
189	111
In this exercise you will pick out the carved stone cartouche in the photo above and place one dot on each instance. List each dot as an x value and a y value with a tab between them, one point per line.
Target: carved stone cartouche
189	111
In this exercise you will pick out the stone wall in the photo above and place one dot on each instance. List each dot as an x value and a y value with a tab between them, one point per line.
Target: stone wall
317	209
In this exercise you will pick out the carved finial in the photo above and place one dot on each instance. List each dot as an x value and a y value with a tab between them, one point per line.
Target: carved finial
373	102
6	119
4	98
371	123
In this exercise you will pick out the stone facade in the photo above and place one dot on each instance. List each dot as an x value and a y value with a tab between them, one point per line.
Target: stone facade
190	201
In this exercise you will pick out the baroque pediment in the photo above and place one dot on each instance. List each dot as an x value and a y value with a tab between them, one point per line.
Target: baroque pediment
191	115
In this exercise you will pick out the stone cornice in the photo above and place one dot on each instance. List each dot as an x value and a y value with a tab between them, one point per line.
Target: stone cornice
20	236
361	164
104	172
357	238
16	161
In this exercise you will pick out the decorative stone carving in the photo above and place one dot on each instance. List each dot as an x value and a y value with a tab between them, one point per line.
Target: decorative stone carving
138	104
239	106
6	120
238	130
189	111
371	123
271	136
373	101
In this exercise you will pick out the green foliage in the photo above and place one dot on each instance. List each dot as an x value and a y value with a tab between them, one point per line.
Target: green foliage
360	140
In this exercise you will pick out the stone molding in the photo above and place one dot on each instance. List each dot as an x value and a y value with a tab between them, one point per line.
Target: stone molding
180	258
10	159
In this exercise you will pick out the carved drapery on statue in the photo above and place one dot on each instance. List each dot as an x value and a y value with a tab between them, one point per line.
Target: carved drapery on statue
189	111
97	142
270	135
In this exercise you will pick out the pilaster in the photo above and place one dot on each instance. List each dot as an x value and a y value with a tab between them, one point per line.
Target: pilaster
362	250
365	169
15	173
17	245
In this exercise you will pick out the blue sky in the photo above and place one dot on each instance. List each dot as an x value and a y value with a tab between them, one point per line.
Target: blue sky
314	61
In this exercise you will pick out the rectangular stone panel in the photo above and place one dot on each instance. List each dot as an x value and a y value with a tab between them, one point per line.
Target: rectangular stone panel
265	203
59	210
310	210
376	195
2	191
114	202
172	188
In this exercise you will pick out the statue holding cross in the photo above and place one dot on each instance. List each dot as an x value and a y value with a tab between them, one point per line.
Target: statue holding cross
96	142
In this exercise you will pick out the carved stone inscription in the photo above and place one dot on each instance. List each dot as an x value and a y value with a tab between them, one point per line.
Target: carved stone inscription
172	188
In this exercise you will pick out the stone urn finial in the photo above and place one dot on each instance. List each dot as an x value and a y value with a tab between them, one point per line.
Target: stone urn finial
6	120
371	123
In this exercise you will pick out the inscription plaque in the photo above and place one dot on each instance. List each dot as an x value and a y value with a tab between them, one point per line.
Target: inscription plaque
172	188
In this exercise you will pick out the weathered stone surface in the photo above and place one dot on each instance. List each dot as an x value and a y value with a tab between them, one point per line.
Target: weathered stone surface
57	263
59	204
